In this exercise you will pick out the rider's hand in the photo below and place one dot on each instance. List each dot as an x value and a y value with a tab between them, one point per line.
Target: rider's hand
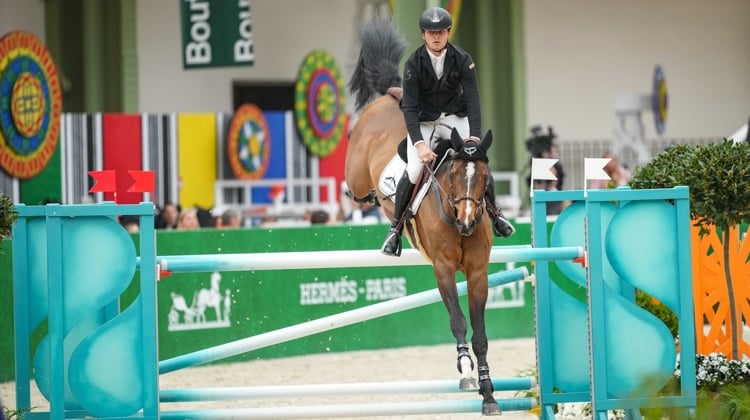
426	155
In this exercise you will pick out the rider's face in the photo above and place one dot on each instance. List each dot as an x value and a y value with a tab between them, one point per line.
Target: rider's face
436	40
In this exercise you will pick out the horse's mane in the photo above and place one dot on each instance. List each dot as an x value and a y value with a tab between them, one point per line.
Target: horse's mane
378	61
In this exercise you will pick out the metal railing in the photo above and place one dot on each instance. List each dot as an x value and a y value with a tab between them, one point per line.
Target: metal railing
300	195
572	153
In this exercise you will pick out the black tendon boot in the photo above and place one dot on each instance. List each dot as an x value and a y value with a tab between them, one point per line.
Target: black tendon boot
500	225
392	244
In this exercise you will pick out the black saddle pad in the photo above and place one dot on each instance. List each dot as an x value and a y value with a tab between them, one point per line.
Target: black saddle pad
441	148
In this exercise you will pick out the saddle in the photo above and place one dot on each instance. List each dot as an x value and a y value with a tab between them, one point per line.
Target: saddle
395	168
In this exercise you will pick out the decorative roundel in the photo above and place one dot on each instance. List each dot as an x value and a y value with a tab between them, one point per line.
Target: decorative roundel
319	104
659	100
249	143
30	105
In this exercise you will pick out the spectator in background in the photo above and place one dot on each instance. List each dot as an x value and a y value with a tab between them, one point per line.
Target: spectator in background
364	214
318	217
206	219
167	217
618	174
130	223
543	146
231	219
358	213
188	219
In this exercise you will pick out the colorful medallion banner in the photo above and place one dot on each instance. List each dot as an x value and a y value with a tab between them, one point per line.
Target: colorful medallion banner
30	105
249	143
319	105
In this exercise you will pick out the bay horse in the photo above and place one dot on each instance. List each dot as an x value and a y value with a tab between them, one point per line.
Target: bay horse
449	228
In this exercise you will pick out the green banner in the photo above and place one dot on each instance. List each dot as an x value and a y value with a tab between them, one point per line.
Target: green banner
200	310
216	33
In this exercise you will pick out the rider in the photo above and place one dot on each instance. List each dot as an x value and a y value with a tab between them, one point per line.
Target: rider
439	93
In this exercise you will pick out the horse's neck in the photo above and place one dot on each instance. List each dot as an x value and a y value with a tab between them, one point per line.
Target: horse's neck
441	189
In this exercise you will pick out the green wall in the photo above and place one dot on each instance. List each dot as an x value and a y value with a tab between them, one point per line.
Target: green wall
44	187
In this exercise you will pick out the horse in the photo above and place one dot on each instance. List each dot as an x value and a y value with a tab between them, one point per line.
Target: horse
448	228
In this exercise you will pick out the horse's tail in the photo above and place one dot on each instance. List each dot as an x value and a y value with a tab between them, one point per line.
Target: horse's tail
377	65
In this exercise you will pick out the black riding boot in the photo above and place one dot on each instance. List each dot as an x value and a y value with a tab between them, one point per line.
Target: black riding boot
392	244
500	225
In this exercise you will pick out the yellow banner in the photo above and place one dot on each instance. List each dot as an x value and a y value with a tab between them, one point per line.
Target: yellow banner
196	159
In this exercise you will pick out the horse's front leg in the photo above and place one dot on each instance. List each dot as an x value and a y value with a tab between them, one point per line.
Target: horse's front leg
477	292
446	279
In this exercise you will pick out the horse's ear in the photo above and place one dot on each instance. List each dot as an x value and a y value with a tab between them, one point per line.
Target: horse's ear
456	139
486	141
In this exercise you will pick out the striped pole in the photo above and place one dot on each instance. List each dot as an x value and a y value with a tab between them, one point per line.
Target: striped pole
351	410
318	390
343	259
325	324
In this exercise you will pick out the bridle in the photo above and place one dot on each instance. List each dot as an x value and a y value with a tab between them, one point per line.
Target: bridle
450	197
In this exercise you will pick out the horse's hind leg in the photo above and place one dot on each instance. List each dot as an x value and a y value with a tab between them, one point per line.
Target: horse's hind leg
477	303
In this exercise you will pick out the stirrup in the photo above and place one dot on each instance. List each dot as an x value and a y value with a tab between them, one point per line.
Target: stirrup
392	244
502	227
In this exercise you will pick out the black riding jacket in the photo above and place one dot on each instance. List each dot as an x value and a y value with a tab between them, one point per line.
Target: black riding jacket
426	97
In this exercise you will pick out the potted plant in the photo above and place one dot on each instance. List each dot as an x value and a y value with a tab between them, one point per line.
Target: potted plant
718	176
8	215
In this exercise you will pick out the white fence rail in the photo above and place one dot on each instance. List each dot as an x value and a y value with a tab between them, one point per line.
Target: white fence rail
300	195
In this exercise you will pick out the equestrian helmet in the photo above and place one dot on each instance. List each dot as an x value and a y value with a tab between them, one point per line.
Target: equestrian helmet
435	19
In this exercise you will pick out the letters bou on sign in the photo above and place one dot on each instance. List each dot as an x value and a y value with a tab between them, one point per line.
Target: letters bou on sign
216	33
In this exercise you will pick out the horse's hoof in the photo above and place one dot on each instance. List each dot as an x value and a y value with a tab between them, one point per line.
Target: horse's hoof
468	384
491	409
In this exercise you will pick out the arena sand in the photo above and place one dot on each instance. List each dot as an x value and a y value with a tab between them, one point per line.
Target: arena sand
507	358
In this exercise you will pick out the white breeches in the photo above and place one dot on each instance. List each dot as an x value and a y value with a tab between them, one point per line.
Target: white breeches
432	130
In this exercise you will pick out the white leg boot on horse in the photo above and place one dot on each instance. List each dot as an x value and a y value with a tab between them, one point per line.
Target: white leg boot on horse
404	190
465	367
500	225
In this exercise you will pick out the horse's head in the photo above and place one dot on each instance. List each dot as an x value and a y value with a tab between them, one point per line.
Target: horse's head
467	181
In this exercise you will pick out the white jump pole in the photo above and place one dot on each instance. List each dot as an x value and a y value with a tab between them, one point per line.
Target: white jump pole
351	410
343	259
318	390
325	324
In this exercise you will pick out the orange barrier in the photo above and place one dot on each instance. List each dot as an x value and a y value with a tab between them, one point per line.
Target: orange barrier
721	276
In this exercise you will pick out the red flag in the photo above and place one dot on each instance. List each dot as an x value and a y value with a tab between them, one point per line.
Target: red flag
143	182
104	181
